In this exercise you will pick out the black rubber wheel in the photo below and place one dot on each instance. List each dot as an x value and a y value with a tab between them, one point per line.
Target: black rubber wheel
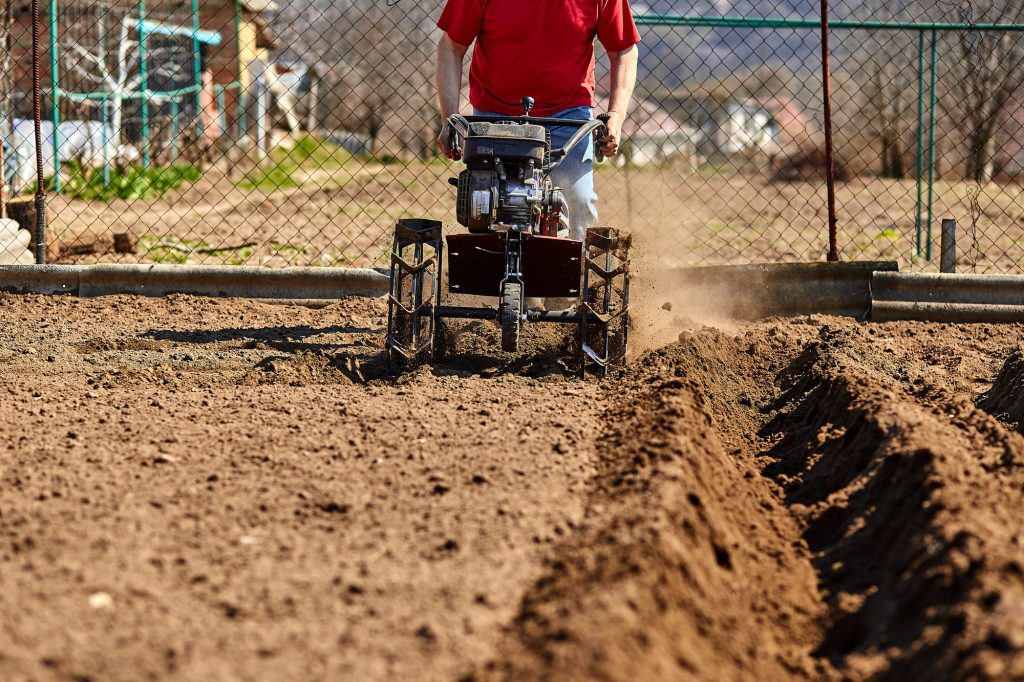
511	314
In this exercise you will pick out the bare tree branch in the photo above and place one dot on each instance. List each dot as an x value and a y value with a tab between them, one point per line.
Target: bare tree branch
84	54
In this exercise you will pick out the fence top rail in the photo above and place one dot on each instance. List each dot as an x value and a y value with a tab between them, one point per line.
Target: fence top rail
767	22
146	94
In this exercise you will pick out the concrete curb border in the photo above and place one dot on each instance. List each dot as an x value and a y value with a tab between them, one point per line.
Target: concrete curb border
217	281
856	289
935	297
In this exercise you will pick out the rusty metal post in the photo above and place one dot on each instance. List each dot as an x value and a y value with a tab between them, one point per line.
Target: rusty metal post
830	161
947	256
40	236
5	103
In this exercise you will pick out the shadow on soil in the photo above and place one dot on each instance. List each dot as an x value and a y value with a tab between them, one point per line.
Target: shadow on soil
355	354
872	472
364	368
281	338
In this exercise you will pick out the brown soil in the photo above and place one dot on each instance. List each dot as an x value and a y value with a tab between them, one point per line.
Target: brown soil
204	489
1006	397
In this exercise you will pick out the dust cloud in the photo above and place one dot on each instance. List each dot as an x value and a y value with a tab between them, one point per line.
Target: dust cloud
664	302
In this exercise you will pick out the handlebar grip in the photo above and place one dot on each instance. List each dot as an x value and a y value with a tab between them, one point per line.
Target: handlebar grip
458	127
601	132
454	143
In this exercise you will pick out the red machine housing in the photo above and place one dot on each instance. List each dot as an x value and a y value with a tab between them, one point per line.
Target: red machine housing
552	267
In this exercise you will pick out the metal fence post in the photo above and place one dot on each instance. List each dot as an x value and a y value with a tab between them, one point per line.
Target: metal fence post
830	162
920	142
40	199
197	67
947	257
105	136
931	147
54	95
143	85
240	97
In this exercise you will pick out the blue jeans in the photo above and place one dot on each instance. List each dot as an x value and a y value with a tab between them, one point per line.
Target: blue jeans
575	175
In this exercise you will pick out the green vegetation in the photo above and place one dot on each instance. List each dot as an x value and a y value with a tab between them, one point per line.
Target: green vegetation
270	178
241	256
291	253
166	252
129	183
179	251
320	153
340	260
285	167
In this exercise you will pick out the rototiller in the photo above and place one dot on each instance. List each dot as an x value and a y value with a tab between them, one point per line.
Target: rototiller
517	247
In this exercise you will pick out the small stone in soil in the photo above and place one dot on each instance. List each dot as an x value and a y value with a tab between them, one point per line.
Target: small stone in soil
101	600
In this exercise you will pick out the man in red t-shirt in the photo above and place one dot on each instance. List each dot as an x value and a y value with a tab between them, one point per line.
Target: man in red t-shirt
542	49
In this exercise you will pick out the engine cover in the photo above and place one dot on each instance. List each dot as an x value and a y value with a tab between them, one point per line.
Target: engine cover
503	186
507	141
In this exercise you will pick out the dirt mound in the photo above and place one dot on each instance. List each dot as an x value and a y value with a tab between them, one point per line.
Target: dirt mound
666	579
889	556
1006	397
901	504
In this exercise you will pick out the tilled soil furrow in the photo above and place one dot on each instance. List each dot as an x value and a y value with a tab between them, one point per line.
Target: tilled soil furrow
884	552
905	509
686	567
1005	399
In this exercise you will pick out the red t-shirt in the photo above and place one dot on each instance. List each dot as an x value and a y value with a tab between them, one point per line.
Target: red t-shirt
538	48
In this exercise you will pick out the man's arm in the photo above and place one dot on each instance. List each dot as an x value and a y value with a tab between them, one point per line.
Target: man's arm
448	78
623	80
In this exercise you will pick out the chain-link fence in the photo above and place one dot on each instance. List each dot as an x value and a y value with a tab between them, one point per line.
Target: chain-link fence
213	131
